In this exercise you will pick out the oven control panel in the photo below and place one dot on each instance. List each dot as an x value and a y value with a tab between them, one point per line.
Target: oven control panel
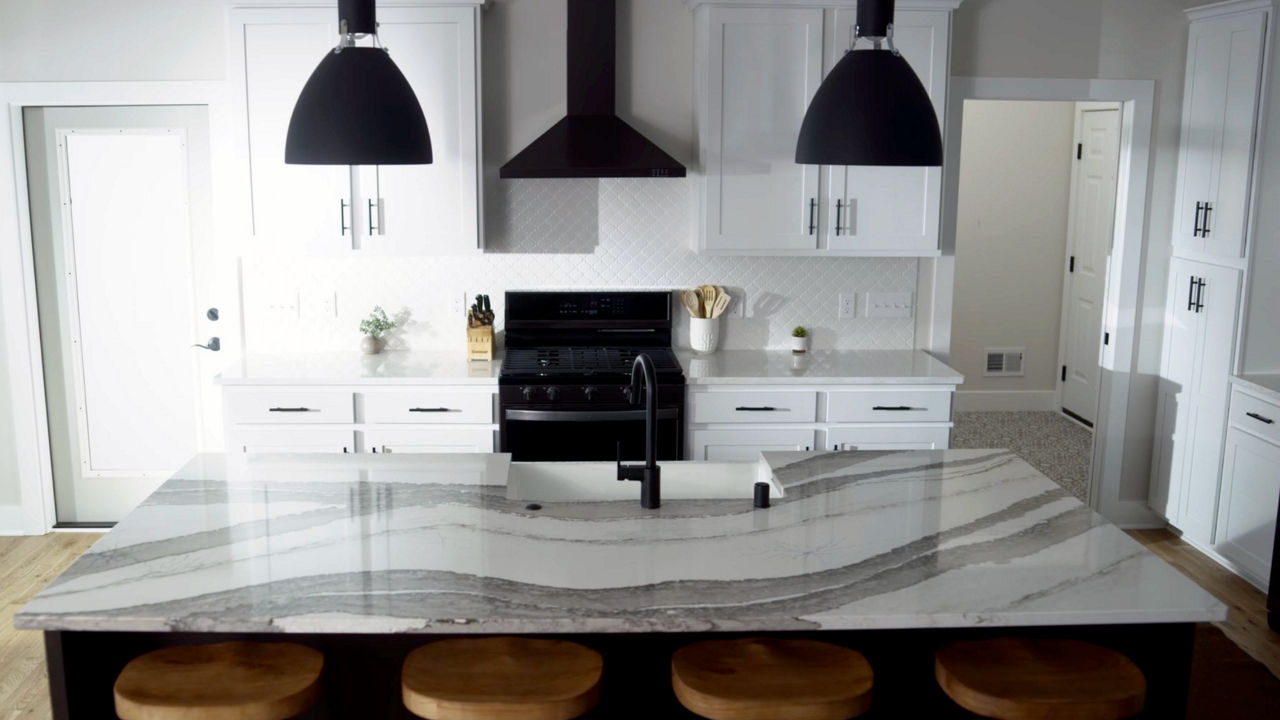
595	394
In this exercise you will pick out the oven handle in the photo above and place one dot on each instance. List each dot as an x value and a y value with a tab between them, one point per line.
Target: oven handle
586	415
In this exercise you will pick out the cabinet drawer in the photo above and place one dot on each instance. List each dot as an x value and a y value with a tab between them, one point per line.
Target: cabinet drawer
753	407
905	437
460	440
889	405
428	406
293	407
258	439
745	445
1255	415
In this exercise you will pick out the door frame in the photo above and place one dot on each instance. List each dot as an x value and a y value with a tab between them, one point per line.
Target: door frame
1079	110
1125	272
19	322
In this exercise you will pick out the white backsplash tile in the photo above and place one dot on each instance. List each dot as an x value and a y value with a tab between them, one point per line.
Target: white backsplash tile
571	234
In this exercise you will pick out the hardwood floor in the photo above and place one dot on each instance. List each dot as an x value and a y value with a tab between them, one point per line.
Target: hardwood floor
27	564
1246	623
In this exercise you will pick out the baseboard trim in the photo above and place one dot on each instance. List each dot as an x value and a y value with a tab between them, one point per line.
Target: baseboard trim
1260	583
1133	515
1005	400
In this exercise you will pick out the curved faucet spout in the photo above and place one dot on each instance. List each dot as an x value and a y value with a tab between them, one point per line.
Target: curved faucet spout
649	474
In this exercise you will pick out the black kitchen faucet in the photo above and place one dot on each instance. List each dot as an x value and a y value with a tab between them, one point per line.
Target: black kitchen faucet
649	474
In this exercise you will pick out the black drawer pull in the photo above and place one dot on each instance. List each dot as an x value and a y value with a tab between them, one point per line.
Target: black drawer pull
1261	418
763	408
429	410
896	408
283	409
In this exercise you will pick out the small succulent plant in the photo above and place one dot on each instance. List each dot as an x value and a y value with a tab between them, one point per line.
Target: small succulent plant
377	323
800	332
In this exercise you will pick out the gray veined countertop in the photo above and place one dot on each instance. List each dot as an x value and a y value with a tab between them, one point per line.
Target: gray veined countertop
393	367
377	544
817	367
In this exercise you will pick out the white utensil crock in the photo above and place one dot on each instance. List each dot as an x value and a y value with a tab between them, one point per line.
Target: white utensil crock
704	334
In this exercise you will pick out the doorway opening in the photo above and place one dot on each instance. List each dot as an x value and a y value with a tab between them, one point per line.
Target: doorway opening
1034	229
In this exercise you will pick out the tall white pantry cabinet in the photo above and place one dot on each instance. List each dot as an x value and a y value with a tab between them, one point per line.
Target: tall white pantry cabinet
394	209
757	66
1227	47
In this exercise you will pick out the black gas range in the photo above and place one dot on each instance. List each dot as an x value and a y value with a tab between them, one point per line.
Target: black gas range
562	389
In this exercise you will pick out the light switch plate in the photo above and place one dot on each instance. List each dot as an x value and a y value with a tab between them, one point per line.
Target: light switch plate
889	305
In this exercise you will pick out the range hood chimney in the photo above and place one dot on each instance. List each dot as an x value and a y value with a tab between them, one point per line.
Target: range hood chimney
591	141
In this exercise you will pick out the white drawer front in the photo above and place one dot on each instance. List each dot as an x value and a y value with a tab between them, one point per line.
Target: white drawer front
1252	414
428	406
906	437
258	439
889	405
745	445
461	440
291	407
753	407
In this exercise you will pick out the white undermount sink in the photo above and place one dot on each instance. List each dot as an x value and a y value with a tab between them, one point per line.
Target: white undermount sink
595	481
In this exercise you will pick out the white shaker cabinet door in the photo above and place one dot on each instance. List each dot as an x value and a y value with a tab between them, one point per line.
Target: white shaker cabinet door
891	209
761	69
429	209
745	445
295	207
1219	116
1250	493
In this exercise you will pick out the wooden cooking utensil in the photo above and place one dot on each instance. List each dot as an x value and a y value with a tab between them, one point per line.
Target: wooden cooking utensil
697	295
722	304
689	299
708	300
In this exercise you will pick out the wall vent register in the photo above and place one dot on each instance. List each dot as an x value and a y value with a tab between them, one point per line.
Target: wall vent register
1004	362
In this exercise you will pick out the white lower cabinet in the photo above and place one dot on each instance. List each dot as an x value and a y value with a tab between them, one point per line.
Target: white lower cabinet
430	440
252	439
732	423
1250	495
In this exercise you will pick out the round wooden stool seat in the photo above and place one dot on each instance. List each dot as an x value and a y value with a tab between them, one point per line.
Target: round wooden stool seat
226	681
771	679
501	678
1040	679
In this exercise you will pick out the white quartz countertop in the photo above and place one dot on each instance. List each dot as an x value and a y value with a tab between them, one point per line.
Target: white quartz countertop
817	367
393	367
429	544
1266	383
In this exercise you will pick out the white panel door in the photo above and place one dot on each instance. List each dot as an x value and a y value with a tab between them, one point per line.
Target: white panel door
434	440
1250	493
745	445
429	209
1219	113
1091	225
121	220
295	207
887	208
762	69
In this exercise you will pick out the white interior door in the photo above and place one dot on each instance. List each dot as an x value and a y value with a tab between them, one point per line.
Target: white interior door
1090	227
120	201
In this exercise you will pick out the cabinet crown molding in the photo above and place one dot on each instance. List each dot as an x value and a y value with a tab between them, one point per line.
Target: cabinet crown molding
901	5
1229	7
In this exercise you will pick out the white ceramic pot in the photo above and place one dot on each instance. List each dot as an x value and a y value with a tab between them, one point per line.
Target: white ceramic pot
799	344
371	345
704	334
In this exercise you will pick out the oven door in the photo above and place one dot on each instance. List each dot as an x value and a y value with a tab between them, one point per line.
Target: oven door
586	435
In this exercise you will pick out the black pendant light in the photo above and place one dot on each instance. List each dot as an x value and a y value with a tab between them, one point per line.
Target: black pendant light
871	109
357	108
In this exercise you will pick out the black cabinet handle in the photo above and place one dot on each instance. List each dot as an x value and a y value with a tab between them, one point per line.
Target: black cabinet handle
763	408
1261	418
813	216
895	408
342	217
429	410
1208	208
839	207
1199	209
1191	294
1199	295
284	409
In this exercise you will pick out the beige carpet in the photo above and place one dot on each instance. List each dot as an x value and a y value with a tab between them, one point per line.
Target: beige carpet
1056	446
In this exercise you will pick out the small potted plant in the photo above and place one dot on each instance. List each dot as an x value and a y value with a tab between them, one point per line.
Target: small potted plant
373	327
799	340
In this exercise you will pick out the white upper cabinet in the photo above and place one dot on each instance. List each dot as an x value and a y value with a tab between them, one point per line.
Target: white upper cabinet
879	209
768	63
400	209
1219	120
757	69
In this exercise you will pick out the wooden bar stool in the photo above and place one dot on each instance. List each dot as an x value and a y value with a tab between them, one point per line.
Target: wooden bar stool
226	681
771	679
501	678
1040	679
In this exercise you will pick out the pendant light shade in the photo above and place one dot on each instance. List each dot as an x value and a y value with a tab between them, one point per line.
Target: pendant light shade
357	108
872	108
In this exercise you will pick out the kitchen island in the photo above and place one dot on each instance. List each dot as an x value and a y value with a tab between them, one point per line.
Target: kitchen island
365	557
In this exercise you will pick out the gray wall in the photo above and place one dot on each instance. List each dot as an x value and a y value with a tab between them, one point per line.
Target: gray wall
1262	323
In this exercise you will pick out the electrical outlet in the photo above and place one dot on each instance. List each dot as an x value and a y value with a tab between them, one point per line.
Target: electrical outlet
327	305
737	305
889	305
848	305
458	304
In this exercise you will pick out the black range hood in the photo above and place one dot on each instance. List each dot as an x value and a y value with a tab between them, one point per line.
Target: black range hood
591	141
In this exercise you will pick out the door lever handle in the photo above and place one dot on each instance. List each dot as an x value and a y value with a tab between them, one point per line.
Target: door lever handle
214	345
